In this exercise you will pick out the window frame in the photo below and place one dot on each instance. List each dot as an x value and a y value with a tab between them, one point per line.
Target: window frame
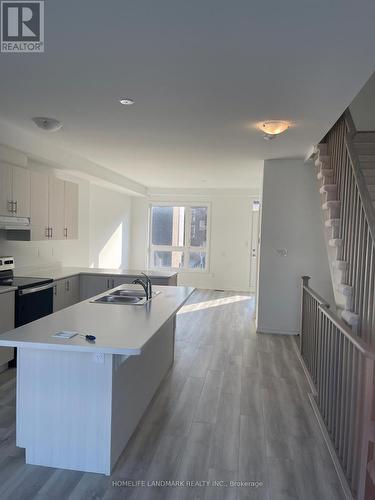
187	248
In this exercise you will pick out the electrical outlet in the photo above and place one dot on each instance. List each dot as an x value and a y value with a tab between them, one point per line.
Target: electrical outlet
99	357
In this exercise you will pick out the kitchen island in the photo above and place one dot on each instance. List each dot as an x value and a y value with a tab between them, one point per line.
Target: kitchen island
78	402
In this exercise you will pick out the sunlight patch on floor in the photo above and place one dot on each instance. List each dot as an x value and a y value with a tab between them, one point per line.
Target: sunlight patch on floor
213	303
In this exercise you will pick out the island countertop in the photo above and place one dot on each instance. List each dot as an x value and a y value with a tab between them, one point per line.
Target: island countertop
119	329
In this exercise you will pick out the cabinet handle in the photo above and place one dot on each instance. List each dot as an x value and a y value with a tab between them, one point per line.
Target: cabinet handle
15	203
10	206
51	232
67	286
46	232
55	289
65	232
113	283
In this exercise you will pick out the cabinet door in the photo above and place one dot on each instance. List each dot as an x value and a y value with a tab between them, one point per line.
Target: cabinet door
6	324
72	291
59	295
21	191
71	211
5	189
123	280
93	285
56	208
39	206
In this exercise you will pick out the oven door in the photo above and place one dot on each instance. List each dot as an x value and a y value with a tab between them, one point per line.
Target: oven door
33	303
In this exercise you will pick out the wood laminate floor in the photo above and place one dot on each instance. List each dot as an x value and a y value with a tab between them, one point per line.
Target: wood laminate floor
233	408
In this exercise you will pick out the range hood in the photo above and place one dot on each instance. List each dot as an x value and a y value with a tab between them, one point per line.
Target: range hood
15	228
14	223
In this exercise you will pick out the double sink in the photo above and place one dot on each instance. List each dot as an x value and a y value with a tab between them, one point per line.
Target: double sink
125	297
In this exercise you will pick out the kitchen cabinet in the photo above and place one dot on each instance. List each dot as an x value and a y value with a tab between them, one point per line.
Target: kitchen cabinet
6	324
71	196
93	285
39	206
21	191
14	191
66	292
56	194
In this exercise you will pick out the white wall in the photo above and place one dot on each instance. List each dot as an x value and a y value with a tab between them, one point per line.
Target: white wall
229	242
363	106
109	228
290	220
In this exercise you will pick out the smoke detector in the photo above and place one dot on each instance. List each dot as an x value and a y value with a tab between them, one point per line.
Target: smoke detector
48	124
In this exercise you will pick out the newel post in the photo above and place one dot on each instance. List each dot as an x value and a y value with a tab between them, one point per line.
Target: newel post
305	282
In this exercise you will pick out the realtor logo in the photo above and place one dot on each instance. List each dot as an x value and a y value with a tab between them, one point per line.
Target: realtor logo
22	26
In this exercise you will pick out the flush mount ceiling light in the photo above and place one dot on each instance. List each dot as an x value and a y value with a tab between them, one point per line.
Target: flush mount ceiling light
273	128
127	101
48	124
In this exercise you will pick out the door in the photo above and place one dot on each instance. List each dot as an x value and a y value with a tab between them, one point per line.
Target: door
71	211
59	295
254	245
39	206
56	195
93	285
21	191
5	189
71	291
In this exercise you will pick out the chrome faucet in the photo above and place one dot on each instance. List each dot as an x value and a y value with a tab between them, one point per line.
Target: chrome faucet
138	281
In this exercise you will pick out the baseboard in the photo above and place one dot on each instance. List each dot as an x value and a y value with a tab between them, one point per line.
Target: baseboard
279	332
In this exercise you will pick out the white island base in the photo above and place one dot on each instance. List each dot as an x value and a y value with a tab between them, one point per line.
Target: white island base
77	410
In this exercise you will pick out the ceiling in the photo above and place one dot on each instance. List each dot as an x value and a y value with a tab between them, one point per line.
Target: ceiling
201	74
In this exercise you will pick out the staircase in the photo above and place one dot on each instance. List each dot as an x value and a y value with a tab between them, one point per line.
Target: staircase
345	163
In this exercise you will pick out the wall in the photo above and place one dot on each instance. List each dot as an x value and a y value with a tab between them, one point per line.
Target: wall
109	228
291	220
363	106
229	245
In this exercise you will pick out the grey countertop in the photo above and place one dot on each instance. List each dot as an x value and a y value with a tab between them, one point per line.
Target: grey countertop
119	329
57	273
6	289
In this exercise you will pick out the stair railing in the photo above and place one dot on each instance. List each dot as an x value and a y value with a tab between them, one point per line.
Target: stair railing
341	367
356	225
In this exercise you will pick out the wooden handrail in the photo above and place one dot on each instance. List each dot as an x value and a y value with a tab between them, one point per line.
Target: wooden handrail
362	346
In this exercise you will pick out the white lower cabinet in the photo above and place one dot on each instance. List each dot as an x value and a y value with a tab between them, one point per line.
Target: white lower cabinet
66	292
6	324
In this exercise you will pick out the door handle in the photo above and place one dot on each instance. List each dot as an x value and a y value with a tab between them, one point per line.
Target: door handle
67	286
65	232
55	289
15	203
50	232
10	206
46	232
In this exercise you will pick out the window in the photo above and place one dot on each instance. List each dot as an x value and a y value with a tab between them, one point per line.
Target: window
179	237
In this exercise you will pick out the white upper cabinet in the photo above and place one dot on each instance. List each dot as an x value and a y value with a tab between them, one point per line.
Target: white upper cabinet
71	211
5	190
39	206
21	192
56	208
14	191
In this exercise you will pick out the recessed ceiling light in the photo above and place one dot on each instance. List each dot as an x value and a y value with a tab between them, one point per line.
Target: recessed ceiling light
127	101
48	124
272	128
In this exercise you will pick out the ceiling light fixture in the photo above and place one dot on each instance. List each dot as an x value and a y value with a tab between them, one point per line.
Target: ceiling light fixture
127	101
47	124
272	128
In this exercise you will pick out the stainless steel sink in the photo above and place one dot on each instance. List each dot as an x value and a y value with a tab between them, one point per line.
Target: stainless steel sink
116	299
125	297
128	293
